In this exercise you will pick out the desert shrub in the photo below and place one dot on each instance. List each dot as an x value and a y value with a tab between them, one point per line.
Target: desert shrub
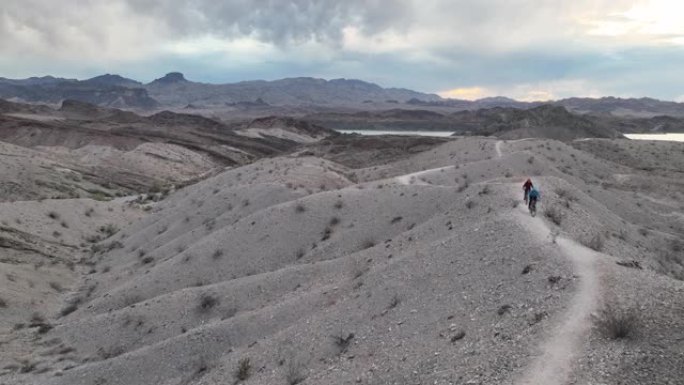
108	230
367	244
396	219
217	254
565	194
114	245
53	215
56	234
530	160
3	303
463	186
147	260
64	224
338	205
243	370
207	302
56	287
334	221
470	204
327	232
394	301
93	238
342	342
295	373
300	208
616	322
596	242
554	213
485	190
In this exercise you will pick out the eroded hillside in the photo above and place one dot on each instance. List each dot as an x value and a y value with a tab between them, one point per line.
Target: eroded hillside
421	266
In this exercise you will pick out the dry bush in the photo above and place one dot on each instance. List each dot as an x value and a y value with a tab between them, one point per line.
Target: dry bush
342	342
108	230
295	373
615	322
554	213
394	302
470	204
217	254
596	242
244	370
300	208
53	215
56	287
207	302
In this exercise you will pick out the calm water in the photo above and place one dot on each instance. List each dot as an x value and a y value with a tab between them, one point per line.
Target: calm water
670	137
675	137
390	132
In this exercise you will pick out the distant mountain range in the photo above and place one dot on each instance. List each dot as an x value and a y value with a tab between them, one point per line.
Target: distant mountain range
175	91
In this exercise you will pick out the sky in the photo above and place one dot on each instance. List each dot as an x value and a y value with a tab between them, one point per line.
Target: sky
525	49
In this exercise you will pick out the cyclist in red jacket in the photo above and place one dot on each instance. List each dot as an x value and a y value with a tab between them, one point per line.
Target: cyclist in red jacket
526	188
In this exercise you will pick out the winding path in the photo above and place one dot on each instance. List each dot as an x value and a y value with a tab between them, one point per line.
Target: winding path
558	353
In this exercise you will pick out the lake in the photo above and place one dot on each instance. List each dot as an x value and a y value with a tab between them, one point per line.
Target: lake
674	137
441	134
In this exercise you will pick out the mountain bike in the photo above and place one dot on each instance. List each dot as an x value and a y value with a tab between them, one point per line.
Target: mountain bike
533	207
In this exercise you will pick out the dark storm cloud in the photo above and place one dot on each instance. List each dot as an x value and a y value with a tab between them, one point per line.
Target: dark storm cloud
279	21
502	46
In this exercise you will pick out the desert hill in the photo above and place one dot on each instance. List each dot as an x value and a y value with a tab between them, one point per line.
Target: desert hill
129	152
174	91
419	267
547	121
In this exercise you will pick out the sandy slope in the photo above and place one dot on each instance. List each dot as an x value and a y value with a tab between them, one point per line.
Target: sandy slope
420	270
559	352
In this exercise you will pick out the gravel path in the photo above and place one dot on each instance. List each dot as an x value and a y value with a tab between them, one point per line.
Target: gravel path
559	352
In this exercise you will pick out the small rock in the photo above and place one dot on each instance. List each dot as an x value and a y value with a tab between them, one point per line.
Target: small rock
458	336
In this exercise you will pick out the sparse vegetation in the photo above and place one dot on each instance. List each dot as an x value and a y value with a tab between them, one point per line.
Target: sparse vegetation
108	230
207	302
3	303
596	242
243	370
469	204
554	213
217	254
56	287
615	322
53	215
367	244
342	342
294	373
300	208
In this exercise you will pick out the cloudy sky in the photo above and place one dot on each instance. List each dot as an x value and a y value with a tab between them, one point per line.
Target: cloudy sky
527	49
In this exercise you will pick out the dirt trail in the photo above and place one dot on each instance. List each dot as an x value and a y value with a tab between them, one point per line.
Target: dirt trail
558	353
414	178
497	147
